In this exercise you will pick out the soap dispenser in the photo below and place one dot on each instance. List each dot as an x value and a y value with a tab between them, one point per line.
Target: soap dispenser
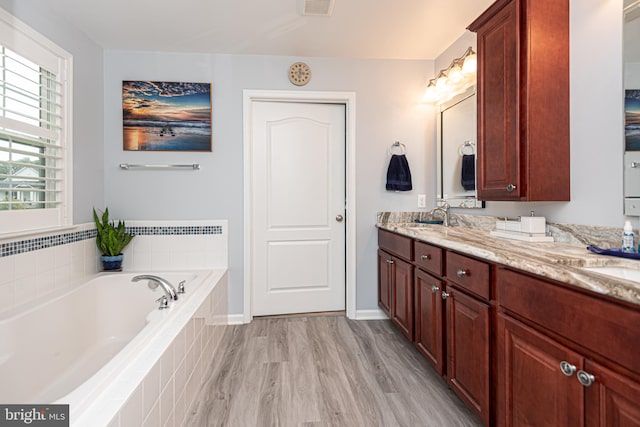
627	238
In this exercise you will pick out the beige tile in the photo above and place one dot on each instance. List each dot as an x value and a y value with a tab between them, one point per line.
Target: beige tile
151	388
167	399
131	412
153	417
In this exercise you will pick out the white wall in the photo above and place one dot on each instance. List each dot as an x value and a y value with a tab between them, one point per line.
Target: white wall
388	95
87	100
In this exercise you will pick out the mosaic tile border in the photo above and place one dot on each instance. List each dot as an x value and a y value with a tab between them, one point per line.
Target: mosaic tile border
28	245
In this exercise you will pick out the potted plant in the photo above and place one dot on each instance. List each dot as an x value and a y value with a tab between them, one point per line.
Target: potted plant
111	240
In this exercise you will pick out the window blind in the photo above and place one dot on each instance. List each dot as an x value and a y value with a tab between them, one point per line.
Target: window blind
31	145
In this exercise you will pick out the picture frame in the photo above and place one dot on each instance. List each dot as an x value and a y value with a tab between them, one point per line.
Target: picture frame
166	116
632	120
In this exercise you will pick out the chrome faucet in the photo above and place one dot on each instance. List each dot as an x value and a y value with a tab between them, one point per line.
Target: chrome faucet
164	284
444	209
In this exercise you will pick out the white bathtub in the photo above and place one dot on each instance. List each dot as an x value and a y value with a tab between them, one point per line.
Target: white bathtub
94	345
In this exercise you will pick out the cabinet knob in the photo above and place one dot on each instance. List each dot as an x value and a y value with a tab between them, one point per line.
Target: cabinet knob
461	272
567	368
445	295
339	218
585	378
425	257
389	261
511	187
434	289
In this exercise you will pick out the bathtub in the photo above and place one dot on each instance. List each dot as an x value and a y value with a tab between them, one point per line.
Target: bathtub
94	346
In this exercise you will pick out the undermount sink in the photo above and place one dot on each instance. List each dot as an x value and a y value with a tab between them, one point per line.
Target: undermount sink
625	273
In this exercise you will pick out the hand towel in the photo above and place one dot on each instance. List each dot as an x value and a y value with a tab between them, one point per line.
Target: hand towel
468	173
398	174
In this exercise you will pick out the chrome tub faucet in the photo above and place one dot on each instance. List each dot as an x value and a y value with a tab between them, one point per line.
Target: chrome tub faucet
167	287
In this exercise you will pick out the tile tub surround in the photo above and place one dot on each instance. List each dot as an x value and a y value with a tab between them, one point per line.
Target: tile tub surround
38	265
161	390
557	261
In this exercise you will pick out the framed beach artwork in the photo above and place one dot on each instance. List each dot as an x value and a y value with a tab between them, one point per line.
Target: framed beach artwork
632	120
166	116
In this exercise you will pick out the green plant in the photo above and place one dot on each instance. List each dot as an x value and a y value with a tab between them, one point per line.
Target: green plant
111	239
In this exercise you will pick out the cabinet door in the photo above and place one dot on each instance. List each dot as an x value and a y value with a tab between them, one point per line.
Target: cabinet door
498	148
532	389
428	310
402	297
612	400
385	275
468	372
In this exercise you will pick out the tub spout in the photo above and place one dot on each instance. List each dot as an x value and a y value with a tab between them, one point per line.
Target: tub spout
166	286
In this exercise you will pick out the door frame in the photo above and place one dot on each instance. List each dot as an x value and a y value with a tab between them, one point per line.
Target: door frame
348	99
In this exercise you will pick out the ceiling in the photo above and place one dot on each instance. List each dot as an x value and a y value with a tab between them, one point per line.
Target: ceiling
390	29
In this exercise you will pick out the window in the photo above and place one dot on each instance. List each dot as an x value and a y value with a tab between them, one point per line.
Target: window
35	124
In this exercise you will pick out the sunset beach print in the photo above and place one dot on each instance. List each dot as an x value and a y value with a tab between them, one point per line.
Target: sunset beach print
166	116
632	120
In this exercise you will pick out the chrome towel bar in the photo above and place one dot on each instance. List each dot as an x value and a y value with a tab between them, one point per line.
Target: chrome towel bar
127	166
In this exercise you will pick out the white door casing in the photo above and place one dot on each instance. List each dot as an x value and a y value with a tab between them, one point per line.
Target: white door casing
298	208
294	247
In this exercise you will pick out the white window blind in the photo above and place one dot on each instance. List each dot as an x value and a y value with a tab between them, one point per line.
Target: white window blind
35	161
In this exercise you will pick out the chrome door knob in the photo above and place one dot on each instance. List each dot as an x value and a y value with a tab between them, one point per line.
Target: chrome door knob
445	295
461	273
585	378
434	289
425	257
567	368
511	187
389	261
339	218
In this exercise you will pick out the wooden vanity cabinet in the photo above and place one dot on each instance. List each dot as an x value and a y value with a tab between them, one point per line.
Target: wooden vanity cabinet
429	323
395	280
564	357
523	101
468	332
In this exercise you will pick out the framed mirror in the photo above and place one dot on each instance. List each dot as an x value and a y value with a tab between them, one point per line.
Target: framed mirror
456	151
631	55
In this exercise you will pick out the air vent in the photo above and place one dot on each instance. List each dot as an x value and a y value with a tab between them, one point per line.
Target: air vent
317	7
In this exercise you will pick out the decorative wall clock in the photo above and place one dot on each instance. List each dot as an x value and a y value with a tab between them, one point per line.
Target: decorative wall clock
299	73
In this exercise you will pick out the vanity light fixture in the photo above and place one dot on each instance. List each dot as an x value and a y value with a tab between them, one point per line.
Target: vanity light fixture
460	74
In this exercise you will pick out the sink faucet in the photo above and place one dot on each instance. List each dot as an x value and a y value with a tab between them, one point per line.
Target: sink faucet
166	286
444	209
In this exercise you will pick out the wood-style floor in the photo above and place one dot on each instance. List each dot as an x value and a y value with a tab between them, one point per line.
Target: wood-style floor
323	371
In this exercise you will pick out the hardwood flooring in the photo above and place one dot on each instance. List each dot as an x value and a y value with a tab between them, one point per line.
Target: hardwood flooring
323	371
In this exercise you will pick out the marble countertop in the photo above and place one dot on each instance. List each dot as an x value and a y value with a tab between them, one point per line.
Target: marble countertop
558	261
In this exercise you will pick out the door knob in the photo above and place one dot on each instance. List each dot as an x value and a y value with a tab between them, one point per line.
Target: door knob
339	218
445	295
434	289
567	368
585	378
511	187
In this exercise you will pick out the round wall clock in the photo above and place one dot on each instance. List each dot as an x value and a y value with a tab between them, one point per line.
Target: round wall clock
299	73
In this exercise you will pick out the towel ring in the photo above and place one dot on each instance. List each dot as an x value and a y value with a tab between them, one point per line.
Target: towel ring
397	146
467	148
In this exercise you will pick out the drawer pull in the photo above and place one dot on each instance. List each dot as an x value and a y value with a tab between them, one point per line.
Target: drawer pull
511	187
425	257
434	289
445	295
567	368
389	261
585	378
461	272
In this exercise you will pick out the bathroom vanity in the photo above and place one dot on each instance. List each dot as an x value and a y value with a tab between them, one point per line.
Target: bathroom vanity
525	334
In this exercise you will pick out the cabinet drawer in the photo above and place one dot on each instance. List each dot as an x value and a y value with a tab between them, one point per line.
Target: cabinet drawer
428	257
603	327
395	244
468	273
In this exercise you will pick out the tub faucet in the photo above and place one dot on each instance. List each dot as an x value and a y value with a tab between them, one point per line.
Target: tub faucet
444	209
166	286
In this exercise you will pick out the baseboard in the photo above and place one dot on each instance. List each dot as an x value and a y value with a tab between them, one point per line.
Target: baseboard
375	314
235	319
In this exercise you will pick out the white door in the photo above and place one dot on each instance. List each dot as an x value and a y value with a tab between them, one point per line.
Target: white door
298	207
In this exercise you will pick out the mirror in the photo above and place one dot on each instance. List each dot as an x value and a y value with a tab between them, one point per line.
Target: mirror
631	57
456	151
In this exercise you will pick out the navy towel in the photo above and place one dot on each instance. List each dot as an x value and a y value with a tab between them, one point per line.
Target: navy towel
398	174
468	175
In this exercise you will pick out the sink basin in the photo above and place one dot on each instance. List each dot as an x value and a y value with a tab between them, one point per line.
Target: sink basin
617	272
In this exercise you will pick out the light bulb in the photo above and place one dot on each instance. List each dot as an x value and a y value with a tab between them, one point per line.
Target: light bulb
470	64
430	94
455	74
